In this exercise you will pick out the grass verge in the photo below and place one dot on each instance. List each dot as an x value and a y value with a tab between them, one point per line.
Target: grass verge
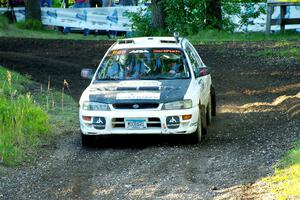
220	37
286	180
20	30
289	53
30	118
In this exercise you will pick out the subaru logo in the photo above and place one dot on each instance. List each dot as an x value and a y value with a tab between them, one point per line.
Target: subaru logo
135	106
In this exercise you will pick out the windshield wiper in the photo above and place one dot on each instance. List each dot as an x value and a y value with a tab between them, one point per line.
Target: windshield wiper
165	78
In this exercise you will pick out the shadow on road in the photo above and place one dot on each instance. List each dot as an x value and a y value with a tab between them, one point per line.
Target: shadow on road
139	141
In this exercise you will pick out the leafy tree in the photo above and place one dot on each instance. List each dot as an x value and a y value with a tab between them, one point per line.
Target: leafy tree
213	14
185	16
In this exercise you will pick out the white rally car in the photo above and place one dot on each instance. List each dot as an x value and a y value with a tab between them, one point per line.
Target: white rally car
148	85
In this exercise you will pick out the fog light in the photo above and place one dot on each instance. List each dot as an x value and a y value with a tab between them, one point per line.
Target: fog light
186	117
86	118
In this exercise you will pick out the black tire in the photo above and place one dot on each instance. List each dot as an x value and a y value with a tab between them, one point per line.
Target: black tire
86	140
204	121
209	112
197	136
213	102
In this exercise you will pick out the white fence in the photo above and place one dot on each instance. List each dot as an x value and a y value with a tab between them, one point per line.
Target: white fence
108	18
115	18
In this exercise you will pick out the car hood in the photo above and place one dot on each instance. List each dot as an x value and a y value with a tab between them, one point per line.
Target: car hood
145	91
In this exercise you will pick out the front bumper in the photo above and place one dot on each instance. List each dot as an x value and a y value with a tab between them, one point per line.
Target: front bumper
156	121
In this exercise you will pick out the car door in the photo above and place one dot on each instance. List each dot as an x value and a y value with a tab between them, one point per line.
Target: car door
201	73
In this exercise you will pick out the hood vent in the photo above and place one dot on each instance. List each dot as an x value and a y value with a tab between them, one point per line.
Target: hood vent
168	41
125	42
135	106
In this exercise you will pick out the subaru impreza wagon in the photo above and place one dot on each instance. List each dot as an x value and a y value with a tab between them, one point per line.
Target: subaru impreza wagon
148	85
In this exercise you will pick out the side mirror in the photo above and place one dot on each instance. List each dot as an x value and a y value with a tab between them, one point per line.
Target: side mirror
87	73
203	72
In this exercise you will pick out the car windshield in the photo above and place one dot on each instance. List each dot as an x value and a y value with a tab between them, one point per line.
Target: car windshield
144	64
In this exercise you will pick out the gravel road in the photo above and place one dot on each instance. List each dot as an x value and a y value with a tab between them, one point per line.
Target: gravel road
258	119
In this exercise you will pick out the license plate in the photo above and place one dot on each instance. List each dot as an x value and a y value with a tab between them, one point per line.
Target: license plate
135	124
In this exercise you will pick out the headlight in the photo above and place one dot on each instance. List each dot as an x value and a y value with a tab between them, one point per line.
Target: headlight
177	105
95	106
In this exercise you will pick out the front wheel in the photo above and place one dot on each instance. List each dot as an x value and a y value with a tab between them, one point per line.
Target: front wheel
209	111
86	140
213	102
197	136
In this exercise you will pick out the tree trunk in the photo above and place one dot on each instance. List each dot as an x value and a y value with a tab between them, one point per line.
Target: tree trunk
213	14
33	9
158	20
10	14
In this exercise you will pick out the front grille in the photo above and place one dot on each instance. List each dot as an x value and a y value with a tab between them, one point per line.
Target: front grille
151	122
149	88
136	105
118	123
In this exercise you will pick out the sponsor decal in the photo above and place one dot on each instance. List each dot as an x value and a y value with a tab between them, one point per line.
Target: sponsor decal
22	12
139	84
83	16
139	95
173	122
114	17
175	51
139	51
99	123
118	52
52	14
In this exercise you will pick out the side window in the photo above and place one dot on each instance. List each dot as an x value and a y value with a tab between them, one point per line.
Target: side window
199	60
195	61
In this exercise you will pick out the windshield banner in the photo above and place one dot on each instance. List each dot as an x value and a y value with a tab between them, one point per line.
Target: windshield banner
283	1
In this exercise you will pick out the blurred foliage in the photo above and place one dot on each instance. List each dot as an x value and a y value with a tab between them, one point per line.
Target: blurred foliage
4	25
189	16
30	24
141	22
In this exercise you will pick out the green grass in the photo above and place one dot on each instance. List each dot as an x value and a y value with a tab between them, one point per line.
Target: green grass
22	121
220	37
31	120
288	53
61	108
18	30
285	183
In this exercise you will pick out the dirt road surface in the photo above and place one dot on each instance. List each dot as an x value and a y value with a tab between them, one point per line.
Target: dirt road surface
257	122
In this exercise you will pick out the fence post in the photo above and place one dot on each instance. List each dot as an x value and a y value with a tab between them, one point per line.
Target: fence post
282	19
269	18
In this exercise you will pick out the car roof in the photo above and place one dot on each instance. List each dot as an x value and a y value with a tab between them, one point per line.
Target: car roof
147	42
